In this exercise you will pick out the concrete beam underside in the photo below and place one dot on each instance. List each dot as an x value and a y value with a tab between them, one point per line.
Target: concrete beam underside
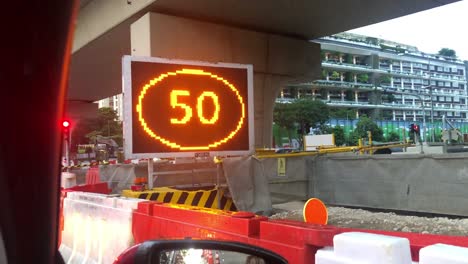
277	60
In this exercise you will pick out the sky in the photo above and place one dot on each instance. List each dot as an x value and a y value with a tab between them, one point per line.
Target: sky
429	31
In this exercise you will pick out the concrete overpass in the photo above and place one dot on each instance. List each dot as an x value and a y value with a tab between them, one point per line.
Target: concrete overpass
271	35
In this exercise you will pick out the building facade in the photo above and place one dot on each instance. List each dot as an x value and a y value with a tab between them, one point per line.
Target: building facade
387	80
115	102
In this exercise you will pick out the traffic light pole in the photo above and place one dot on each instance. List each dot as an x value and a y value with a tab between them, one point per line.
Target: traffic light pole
432	116
67	154
423	138
66	134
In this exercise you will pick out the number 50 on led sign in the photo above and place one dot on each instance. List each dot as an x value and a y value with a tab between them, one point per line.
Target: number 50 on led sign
176	108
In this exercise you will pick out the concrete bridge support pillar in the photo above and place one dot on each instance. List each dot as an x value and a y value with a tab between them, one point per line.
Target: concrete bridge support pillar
277	60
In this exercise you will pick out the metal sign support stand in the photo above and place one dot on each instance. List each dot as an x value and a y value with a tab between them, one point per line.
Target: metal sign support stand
219	170
150	173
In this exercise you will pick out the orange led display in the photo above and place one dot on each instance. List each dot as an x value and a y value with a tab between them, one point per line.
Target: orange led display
188	111
188	108
200	99
174	104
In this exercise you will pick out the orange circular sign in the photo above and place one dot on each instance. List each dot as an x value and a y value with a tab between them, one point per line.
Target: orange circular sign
189	99
315	212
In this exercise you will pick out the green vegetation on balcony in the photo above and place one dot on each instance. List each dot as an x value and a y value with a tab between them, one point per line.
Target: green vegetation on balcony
372	41
349	77
349	58
324	74
323	94
389	98
396	49
385	79
322	54
363	78
335	75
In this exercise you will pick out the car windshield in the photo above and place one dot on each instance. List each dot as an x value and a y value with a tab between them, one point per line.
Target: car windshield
293	129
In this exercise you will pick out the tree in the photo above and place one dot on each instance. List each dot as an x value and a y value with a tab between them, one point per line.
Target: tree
79	131
338	133
391	98
300	114
393	137
366	124
447	53
310	113
284	117
106	123
388	97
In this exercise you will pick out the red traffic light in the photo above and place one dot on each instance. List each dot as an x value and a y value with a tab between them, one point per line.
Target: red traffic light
66	124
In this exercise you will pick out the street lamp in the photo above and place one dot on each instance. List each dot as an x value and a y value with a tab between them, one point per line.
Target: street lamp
430	95
432	110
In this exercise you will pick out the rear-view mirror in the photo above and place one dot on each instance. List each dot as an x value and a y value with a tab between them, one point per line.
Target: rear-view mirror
190	251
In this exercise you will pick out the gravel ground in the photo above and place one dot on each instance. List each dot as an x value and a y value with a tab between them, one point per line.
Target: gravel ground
358	218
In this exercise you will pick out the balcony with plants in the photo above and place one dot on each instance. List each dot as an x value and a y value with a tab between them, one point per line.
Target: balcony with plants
331	59
335	79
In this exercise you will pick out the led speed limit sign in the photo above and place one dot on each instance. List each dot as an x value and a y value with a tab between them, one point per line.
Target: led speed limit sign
176	108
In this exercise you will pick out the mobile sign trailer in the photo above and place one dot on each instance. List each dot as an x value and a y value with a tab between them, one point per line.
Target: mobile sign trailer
178	108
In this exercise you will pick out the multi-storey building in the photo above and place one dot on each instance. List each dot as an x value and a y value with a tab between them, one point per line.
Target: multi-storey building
387	80
115	102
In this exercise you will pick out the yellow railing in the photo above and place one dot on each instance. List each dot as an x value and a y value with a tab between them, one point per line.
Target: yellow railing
329	150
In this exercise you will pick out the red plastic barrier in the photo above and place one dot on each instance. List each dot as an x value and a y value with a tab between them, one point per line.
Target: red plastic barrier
92	188
156	220
295	241
92	176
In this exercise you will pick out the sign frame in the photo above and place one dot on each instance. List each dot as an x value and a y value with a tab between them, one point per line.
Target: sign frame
128	108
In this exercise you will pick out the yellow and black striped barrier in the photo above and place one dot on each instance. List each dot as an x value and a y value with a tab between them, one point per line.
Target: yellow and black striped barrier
200	198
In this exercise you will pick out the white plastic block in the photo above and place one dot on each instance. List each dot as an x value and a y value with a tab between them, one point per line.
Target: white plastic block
95	198
68	179
127	204
372	248
328	256
443	254
97	228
